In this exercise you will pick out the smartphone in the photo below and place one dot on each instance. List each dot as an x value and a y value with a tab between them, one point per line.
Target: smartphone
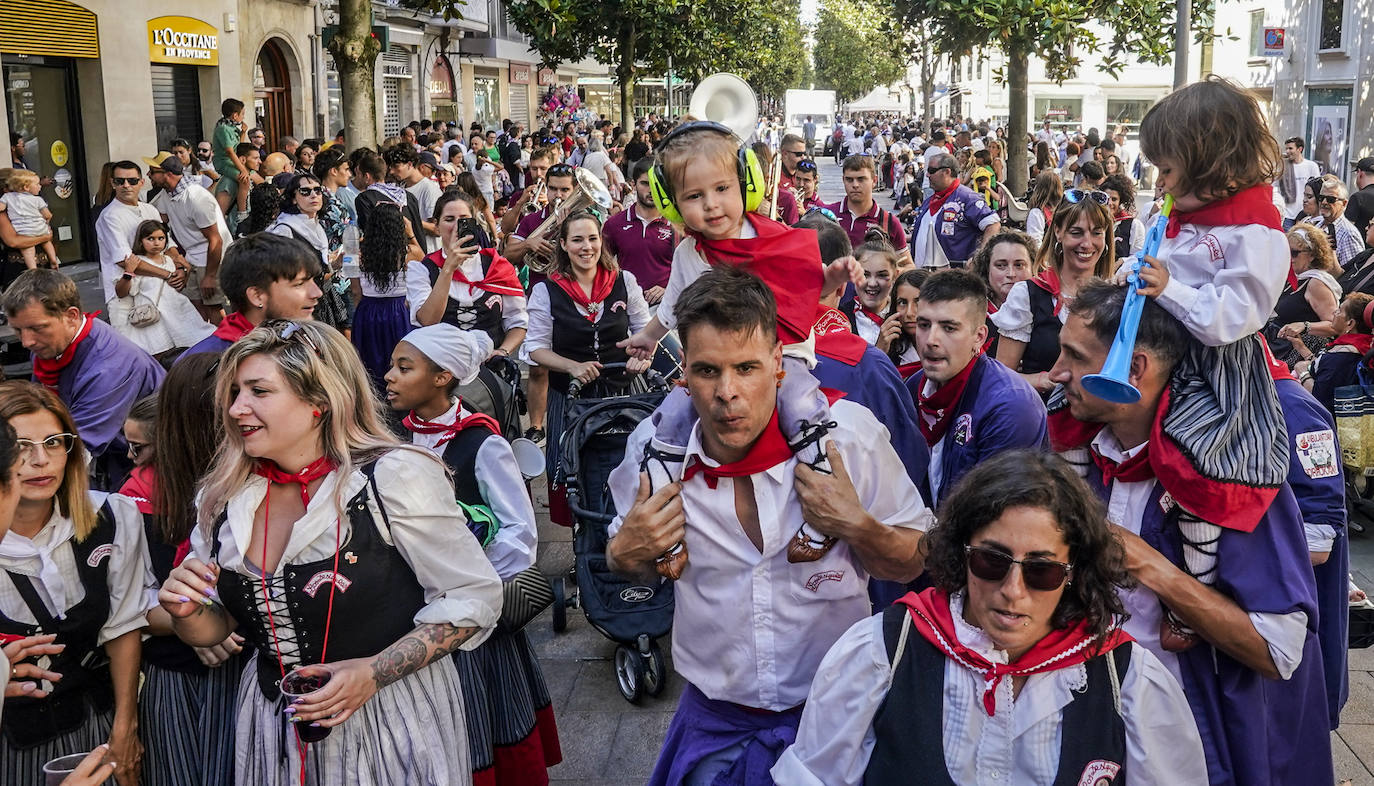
468	227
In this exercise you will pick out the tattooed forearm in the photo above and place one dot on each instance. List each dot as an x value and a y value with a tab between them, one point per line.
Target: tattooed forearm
418	649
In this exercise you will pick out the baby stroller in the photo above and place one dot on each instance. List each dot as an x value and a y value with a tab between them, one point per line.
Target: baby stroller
599	418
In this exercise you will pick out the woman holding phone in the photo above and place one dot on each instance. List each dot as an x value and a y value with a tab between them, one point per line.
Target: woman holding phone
466	283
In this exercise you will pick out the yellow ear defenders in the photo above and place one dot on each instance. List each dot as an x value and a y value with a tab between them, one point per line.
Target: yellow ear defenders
751	178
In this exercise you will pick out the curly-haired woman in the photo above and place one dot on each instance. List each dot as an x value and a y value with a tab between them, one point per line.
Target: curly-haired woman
1012	666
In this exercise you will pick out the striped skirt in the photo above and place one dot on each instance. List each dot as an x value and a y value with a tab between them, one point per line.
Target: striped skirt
186	723
512	737
23	767
411	733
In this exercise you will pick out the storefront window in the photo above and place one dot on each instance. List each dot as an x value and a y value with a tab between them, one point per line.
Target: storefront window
334	96
443	93
1065	113
486	101
1127	112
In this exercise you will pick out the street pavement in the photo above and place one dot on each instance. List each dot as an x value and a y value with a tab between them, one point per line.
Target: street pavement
606	740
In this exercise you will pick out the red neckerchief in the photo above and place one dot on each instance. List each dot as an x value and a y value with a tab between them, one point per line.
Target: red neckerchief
768	451
835	340
233	327
500	277
1060	649
935	410
1360	341
1254	205
419	425
313	471
49	372
1123	215
141	487
940	197
908	370
1277	368
789	262
1132	470
872	315
601	289
1048	280
1292	280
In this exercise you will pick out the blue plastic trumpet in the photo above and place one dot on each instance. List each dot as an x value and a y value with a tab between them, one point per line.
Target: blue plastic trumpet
1113	383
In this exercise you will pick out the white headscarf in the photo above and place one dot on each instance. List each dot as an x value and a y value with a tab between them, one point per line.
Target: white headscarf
459	352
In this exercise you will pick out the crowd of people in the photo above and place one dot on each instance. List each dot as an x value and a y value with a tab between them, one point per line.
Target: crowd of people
904	534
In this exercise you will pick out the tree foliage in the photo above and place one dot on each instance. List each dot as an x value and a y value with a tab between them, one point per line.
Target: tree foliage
853	54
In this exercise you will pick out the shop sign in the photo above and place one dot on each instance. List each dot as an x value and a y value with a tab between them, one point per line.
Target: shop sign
441	81
59	152
181	39
1273	41
547	77
519	74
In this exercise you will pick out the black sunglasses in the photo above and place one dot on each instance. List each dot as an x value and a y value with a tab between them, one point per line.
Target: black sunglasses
1294	252
126	181
1076	195
310	190
1040	574
1327	199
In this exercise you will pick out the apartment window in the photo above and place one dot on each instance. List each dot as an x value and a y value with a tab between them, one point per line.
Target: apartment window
1332	24
980	68
1257	33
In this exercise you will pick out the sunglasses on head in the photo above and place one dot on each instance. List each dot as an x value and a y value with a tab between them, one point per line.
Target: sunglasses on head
806	165
286	330
1076	195
126	181
1044	575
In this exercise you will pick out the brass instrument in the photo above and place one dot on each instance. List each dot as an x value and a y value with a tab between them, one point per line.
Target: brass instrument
774	182
534	203
590	194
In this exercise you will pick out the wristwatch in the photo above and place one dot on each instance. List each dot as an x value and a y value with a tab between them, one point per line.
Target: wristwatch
128	276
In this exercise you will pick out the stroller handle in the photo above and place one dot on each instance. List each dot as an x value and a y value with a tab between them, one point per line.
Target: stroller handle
652	377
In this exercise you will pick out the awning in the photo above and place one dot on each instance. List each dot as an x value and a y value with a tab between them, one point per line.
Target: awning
879	99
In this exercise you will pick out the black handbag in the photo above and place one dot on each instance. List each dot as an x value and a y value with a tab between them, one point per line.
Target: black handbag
524	597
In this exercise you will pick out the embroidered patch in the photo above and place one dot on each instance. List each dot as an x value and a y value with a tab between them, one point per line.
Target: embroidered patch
1213	246
1317	453
963	429
814	583
493	302
99	554
1166	502
619	305
1099	772
319	579
665	233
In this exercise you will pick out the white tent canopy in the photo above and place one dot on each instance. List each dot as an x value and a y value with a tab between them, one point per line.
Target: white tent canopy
879	99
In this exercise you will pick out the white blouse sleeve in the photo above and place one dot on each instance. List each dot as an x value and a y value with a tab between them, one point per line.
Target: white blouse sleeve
1162	741
686	269
1138	233
539	326
503	487
1236	294
514	312
130	572
835	739
423	521
1035	224
1014	319
417	288
638	307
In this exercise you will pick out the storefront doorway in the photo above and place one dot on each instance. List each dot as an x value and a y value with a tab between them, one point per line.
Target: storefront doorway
41	102
272	94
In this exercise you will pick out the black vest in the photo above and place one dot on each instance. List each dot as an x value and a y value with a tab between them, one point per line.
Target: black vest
579	339
167	652
84	668
1043	349
374	609
1123	237
460	454
485	312
908	724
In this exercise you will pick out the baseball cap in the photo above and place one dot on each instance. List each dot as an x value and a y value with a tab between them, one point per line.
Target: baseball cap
164	161
1365	164
427	157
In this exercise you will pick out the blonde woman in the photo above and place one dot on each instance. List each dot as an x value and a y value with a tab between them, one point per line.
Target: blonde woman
1302	319
330	546
76	562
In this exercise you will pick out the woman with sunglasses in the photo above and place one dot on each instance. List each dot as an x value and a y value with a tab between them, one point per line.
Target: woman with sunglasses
76	564
329	546
1302	321
1077	247
1013	667
301	204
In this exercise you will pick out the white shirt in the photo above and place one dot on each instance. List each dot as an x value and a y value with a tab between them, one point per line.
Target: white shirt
596	163
426	527
26	212
1019	744
1303	171
751	627
1284	634
49	562
513	547
427	193
866	328
513	312
1014	319
1225	280
190	212
114	232
539	332
1035	224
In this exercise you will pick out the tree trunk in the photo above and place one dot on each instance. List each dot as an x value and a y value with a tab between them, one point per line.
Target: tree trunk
1018	125
927	83
355	56
625	74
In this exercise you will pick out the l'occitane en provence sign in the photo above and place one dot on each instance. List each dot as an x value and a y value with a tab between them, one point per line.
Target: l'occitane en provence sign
181	39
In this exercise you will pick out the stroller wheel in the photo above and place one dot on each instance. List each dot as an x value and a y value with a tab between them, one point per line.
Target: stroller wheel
656	674
560	606
629	674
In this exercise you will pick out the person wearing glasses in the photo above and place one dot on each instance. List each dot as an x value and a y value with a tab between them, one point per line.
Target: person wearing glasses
806	182
117	223
1242	639
301	203
1077	247
336	550
1013	667
1303	318
793	150
1331	201
953	221
76	564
